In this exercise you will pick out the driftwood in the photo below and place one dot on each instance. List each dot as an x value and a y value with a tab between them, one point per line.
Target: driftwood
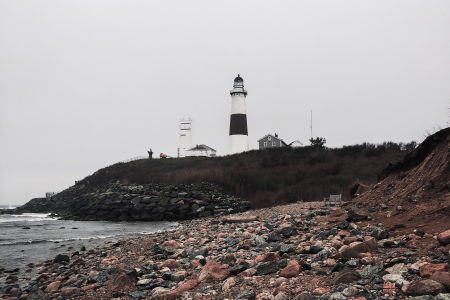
239	219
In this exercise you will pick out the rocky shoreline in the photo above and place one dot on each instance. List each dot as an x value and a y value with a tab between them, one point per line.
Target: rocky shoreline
148	202
300	251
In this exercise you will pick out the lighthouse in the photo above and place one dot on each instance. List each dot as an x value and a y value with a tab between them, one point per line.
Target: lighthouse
238	120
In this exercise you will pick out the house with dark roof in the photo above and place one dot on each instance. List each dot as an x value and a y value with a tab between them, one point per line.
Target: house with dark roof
271	141
201	150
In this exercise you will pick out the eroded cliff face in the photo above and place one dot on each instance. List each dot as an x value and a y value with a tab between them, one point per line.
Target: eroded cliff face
415	191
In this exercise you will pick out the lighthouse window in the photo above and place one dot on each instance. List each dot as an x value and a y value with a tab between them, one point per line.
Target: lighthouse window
274	144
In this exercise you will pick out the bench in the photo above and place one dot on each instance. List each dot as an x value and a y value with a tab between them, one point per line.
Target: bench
333	199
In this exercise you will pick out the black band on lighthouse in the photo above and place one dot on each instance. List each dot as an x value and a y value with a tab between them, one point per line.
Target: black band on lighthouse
238	124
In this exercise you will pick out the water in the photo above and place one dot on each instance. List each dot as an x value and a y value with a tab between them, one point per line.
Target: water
48	237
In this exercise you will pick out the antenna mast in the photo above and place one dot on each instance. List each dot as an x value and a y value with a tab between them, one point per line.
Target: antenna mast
311	125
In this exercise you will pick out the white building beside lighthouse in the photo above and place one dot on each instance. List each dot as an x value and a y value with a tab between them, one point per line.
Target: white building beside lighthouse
238	120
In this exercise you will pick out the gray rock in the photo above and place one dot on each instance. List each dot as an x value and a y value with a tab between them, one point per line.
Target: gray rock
281	296
61	257
302	296
351	291
259	240
203	252
323	254
244	294
442	297
379	232
273	237
37	294
337	296
264	268
369	270
205	213
345	276
286	248
137	294
143	282
100	277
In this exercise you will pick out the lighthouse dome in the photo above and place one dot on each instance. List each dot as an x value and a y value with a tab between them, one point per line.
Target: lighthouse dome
238	79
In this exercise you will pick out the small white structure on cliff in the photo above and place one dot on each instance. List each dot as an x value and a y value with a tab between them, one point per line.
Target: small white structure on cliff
201	150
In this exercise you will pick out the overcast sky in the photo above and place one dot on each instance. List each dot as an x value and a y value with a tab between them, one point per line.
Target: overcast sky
85	84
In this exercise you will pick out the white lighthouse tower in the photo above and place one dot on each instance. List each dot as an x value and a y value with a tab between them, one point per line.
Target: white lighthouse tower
238	120
186	136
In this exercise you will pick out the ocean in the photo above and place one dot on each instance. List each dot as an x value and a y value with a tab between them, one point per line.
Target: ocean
47	237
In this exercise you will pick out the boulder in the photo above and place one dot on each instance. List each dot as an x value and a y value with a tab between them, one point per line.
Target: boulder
269	256
179	276
264	268
53	287
292	270
354	250
424	287
175	294
346	276
61	258
443	278
171	243
240	267
213	271
171	264
228	284
429	269
70	291
444	238
124	277
379	232
37	294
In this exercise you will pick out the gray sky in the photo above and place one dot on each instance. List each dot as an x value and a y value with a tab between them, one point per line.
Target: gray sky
84	84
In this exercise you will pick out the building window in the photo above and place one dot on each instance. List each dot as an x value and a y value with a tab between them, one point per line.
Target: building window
274	144
265	144
269	138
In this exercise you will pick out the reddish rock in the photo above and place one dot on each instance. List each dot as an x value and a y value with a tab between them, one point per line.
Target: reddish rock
195	264
429	269
23	297
230	257
171	264
171	243
319	292
91	287
122	279
53	287
291	271
443	278
269	256
355	249
213	271
349	239
388	287
221	235
444	238
70	291
424	287
173	295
